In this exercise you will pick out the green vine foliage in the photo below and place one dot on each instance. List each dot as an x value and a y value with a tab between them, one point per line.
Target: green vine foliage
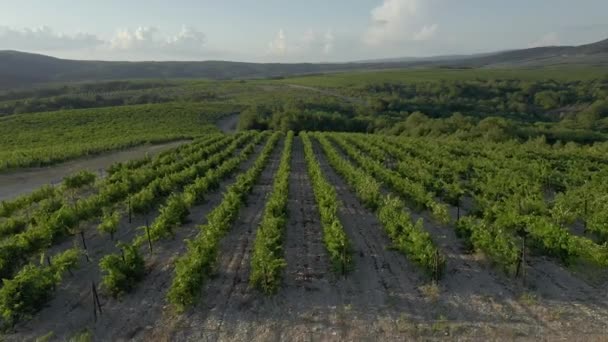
122	271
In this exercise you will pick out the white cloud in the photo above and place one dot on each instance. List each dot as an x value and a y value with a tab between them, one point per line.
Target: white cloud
549	39
188	39
278	46
397	21
141	38
187	43
310	45
44	38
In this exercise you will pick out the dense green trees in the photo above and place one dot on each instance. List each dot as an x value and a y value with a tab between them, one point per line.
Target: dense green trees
494	109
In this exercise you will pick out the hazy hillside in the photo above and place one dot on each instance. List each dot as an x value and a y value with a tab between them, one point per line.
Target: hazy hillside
18	69
590	54
22	69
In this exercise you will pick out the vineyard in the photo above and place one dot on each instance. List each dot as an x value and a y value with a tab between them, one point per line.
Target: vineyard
53	137
314	235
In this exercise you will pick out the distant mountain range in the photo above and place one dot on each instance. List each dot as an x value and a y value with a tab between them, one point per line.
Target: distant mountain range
18	69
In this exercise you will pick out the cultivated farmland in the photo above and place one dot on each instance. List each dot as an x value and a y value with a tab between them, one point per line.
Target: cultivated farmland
315	235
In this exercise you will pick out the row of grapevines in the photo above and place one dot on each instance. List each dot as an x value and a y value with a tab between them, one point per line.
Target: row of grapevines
407	237
10	207
196	264
165	157
144	200
33	286
121	274
334	237
508	186
66	220
27	204
511	194
142	175
267	260
175	211
415	192
7	208
588	203
446	182
497	243
32	216
33	205
495	232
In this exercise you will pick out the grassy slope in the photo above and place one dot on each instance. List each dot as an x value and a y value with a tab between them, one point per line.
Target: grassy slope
44	138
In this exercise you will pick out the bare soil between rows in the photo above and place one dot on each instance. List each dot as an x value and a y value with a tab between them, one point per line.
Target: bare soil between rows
384	296
71	311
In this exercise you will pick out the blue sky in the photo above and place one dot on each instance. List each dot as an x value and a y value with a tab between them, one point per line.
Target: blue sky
293	31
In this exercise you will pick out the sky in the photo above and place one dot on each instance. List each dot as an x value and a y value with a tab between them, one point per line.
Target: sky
293	31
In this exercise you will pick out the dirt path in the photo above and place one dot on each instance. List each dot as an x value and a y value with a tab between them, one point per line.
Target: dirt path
15	183
229	123
136	312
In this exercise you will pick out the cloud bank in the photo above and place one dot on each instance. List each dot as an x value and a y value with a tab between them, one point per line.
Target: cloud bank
140	43
188	42
45	38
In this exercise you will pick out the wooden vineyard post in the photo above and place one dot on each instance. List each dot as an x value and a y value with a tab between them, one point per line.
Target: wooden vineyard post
343	263
94	309
436	267
148	235
458	209
48	261
585	218
521	264
84	245
523	260
129	209
96	303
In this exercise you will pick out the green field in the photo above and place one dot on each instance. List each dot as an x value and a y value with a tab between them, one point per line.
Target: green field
356	79
51	137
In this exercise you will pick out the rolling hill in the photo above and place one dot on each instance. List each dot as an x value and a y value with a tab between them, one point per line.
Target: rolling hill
19	69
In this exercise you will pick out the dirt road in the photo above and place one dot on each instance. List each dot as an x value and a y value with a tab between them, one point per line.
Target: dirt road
15	183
